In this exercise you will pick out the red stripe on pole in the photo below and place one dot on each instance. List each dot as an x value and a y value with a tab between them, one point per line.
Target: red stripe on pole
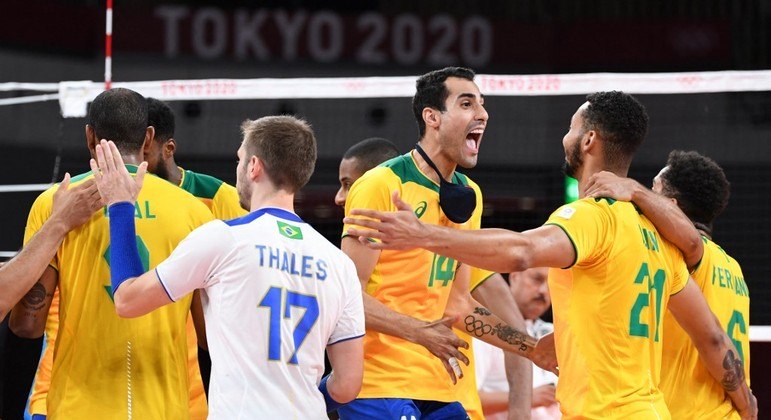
108	46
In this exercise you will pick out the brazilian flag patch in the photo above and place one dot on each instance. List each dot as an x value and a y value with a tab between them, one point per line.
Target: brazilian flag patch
289	231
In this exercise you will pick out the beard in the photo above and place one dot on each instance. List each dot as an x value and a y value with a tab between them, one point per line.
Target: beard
244	191
573	161
162	172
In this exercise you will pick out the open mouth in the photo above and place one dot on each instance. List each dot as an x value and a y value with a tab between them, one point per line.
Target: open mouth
473	138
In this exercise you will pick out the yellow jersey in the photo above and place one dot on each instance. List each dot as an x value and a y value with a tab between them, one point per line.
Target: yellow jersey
721	281
608	307
222	200
103	365
415	283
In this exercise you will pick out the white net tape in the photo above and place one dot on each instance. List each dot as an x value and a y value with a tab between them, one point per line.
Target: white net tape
74	95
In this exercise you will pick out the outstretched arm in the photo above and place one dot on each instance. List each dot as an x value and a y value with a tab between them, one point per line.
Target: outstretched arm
715	348
669	220
71	208
498	250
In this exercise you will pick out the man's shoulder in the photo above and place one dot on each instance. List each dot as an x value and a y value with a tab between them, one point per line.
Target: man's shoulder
158	188
201	185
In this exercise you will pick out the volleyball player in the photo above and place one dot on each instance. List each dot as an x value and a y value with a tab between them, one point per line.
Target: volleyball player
275	292
620	276
698	186
105	366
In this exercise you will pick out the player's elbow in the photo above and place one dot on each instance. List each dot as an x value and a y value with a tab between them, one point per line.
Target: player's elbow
694	250
25	327
520	257
711	339
124	308
347	387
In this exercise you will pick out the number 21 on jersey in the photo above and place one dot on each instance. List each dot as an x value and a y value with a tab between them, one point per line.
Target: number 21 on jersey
274	300
637	328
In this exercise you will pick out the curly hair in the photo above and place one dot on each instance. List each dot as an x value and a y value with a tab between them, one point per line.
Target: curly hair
620	119
431	91
160	116
698	184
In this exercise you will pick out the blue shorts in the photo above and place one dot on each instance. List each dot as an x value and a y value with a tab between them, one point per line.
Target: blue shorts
401	409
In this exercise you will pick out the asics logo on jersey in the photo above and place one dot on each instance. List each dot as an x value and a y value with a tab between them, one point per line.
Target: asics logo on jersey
289	231
421	208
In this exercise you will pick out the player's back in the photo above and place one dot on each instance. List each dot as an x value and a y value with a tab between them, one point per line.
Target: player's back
721	281
104	365
607	311
276	301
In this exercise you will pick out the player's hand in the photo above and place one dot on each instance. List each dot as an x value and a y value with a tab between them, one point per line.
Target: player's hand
544	355
609	185
544	395
112	178
751	410
396	230
438	338
75	206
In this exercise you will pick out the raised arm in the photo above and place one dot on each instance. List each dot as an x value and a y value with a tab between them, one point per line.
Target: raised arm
498	250
435	336
28	274
715	348
669	220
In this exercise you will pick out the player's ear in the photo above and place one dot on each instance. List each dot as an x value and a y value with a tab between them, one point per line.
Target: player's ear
255	168
91	139
169	148
589	140
431	117
149	136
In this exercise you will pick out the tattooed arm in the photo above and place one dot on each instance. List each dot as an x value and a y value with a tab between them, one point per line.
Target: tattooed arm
71	208
479	322
716	351
28	317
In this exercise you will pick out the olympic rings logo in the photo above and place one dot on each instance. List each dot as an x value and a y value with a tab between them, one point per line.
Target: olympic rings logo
477	326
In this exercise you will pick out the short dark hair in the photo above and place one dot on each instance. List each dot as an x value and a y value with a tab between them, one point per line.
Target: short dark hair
698	184
160	116
371	152
431	91
621	121
287	147
119	115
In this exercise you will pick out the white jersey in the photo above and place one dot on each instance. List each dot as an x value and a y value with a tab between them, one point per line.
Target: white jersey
275	294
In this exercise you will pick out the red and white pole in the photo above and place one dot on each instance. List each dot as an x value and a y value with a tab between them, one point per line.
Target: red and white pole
108	47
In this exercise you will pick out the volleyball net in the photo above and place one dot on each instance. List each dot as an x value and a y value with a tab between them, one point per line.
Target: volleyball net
725	114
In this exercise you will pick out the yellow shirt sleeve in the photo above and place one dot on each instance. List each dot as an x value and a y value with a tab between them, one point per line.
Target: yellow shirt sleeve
372	191
38	214
586	223
680	272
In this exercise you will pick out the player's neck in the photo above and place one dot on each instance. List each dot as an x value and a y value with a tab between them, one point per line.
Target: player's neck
175	172
268	197
591	167
434	152
132	159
